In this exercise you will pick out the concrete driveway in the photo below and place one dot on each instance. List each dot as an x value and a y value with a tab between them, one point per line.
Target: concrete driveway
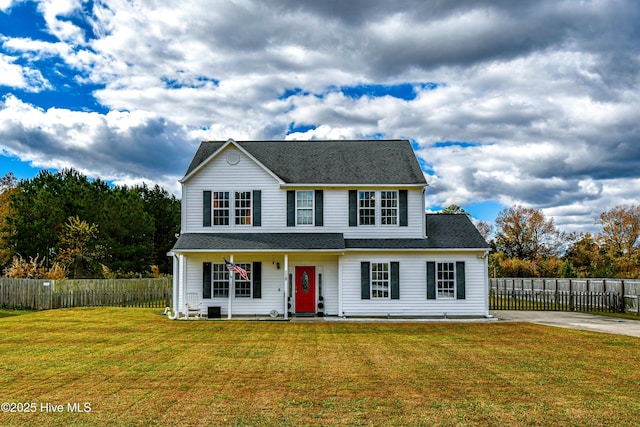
574	320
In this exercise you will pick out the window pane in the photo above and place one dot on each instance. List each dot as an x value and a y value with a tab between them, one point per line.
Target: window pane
389	207
304	207
220	280
446	280
243	208
367	207
221	208
379	280
243	287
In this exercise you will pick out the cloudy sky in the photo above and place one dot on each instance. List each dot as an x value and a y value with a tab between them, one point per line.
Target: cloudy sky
506	102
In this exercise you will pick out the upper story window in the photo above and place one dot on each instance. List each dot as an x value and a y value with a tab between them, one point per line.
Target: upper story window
220	208
366	210
304	207
243	208
231	208
366	207
389	207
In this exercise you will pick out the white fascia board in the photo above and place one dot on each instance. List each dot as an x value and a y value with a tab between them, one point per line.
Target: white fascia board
354	186
266	251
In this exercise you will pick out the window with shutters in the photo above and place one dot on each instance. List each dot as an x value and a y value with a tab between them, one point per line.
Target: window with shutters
304	207
446	279
379	280
231	208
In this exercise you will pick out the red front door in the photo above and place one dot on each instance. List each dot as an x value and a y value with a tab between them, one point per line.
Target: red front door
305	289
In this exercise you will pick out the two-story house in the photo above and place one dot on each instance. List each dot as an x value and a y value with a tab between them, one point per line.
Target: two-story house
334	228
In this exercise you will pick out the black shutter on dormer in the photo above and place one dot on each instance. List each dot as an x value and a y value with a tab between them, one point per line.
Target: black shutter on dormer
257	208
206	208
319	205
291	208
353	208
402	203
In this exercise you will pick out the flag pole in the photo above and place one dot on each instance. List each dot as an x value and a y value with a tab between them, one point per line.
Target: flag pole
231	288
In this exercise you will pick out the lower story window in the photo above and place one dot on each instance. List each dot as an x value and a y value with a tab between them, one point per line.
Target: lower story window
446	279
379	280
220	280
243	287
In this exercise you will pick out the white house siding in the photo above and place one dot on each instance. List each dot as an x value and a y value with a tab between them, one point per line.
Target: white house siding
246	175
413	287
273	283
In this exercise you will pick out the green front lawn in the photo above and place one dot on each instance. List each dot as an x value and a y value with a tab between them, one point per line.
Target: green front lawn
136	367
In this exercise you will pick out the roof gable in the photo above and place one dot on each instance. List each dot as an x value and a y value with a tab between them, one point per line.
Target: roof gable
342	162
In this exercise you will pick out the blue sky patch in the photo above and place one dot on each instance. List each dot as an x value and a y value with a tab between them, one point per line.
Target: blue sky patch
405	91
295	128
463	144
24	21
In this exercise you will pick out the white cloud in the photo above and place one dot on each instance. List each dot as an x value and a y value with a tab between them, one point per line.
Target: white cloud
547	92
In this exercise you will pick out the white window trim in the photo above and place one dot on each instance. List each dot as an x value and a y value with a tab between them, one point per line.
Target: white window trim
388	281
375	208
396	209
454	280
236	278
313	208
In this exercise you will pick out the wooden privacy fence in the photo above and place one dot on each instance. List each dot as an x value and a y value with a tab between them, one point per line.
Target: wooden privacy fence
38	294
611	295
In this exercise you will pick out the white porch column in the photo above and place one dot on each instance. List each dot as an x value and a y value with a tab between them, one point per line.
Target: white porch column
182	284
286	286
176	284
232	290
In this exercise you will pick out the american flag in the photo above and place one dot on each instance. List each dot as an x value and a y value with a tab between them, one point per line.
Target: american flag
236	269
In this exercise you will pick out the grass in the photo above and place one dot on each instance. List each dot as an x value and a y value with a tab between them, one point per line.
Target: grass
136	367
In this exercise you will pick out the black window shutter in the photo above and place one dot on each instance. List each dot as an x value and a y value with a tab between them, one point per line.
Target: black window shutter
256	276
206	280
206	208
257	208
404	217
431	280
291	208
395	280
460	280
353	208
319	207
365	290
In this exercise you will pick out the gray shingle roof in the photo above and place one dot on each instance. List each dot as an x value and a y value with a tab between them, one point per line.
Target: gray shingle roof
376	162
444	231
260	241
454	231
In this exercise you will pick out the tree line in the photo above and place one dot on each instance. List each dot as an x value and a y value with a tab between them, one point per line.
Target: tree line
527	244
66	225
